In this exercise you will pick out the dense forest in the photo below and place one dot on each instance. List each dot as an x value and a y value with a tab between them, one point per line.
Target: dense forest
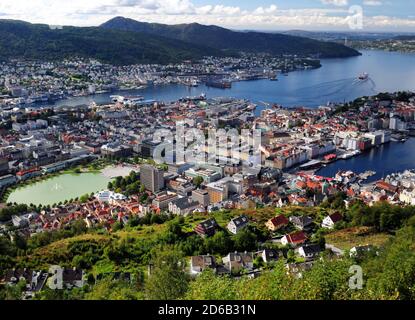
124	42
20	39
228	40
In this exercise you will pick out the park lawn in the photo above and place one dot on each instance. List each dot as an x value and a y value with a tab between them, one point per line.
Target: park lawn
348	238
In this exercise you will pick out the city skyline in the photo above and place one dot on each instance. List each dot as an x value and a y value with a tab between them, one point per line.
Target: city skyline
270	15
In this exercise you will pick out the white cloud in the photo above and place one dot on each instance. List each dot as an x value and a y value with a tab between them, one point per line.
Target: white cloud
272	9
372	3
95	12
218	10
339	3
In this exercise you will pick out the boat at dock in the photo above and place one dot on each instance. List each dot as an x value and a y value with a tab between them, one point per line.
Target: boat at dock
202	97
131	100
191	83
398	137
350	154
313	164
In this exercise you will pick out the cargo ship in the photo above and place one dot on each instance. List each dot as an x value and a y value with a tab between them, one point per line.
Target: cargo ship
221	84
126	100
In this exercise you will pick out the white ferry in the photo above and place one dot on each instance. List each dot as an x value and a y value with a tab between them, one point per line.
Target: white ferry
364	76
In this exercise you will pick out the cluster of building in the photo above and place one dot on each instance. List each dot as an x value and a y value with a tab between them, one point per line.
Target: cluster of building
393	45
293	144
56	278
293	233
30	82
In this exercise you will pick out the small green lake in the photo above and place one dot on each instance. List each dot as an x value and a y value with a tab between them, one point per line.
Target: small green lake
60	188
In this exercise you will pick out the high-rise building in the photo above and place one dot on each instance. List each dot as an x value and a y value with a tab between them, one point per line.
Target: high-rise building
152	178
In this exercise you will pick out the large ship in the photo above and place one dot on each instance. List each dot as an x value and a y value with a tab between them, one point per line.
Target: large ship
126	100
363	76
219	83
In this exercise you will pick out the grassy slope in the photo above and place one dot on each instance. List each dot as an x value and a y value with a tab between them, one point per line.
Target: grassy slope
348	238
57	252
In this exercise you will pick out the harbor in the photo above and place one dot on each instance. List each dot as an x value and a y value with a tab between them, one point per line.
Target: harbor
386	159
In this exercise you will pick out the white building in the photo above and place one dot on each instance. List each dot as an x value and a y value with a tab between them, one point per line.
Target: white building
407	197
331	220
397	124
237	224
108	196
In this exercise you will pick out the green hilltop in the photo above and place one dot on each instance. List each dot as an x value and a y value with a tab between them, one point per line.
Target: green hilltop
229	40
123	41
20	39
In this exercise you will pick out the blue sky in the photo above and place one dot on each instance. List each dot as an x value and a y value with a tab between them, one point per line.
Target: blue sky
397	8
377	15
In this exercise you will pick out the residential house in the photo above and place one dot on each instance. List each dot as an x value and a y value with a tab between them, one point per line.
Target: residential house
207	228
302	222
73	278
35	280
294	239
297	269
235	262
269	255
66	278
331	220
237	224
13	276
277	222
200	263
309	252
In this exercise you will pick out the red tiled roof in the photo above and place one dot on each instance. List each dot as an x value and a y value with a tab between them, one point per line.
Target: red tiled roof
296	237
336	217
386	186
279	220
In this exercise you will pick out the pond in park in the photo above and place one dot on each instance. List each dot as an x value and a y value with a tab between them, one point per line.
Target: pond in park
60	188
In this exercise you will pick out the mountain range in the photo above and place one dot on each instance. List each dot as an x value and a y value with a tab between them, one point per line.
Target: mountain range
123	41
20	39
228	40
